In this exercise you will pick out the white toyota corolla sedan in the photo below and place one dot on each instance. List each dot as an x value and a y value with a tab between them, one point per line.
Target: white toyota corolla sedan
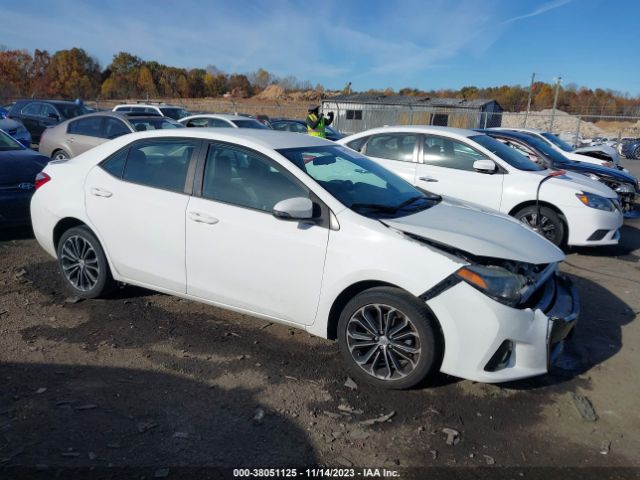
301	231
569	209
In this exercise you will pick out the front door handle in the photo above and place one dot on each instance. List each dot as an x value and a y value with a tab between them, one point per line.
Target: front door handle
70	139
203	218
100	192
428	179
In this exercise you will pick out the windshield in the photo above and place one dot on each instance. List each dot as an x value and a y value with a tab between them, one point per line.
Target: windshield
543	147
149	123
7	143
509	155
70	110
249	124
175	112
360	183
556	141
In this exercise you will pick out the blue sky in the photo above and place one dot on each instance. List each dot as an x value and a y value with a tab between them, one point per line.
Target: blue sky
374	44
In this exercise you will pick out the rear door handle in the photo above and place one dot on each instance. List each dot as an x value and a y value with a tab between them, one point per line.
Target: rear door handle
100	192
428	179
203	218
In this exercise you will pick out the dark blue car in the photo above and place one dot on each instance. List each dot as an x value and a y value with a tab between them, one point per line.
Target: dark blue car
18	169
631	149
623	183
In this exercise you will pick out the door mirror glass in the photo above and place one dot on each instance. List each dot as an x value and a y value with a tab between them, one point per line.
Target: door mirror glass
296	208
484	166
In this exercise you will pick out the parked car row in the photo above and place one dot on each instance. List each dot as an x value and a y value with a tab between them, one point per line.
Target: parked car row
290	227
303	231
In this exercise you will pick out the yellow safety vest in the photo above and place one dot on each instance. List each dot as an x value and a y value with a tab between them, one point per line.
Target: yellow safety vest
319	130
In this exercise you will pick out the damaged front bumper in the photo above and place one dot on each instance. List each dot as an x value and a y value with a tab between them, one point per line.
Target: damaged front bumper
488	341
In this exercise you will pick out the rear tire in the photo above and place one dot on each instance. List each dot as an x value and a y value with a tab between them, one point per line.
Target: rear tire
60	155
551	227
83	265
389	339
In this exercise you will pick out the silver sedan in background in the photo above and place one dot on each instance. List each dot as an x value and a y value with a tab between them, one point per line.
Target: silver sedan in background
73	137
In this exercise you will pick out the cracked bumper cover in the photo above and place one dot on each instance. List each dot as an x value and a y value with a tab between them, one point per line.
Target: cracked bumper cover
475	326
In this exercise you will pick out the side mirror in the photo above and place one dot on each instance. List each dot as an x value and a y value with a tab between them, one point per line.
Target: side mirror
484	166
54	116
296	208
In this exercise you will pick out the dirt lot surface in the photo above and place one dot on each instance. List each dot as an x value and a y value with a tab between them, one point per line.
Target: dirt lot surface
145	379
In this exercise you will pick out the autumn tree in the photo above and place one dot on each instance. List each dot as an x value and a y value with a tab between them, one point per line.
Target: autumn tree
14	73
145	84
73	74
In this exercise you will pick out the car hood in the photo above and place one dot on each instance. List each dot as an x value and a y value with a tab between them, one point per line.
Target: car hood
478	231
613	173
20	166
612	152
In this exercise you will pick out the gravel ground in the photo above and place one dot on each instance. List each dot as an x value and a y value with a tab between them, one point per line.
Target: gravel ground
147	380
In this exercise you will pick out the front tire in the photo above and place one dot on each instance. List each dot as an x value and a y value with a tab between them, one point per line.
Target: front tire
550	225
83	265
388	338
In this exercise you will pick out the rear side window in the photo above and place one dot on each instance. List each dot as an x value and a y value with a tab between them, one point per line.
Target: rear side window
91	127
115	164
161	165
32	109
358	143
114	128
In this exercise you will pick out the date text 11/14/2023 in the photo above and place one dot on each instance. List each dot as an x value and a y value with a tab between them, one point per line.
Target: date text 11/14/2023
315	473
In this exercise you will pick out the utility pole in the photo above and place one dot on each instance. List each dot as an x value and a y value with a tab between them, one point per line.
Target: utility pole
555	102
526	115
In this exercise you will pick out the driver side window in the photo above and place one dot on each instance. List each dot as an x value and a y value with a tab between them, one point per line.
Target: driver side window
246	179
447	153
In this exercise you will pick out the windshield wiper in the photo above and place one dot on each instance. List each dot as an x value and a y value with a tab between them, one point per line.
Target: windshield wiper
408	202
374	206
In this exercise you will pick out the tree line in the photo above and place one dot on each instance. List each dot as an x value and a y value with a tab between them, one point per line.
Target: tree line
74	73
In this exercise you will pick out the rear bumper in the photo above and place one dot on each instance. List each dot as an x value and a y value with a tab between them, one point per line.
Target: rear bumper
487	341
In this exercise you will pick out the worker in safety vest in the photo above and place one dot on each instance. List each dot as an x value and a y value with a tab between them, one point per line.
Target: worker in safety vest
317	121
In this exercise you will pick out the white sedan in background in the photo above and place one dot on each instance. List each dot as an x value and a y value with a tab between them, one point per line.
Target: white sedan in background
571	209
599	155
222	120
290	228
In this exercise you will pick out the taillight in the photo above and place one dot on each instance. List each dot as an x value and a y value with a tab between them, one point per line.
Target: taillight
41	179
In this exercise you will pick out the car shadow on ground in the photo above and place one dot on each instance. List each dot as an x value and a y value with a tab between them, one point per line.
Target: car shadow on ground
71	416
596	338
8	234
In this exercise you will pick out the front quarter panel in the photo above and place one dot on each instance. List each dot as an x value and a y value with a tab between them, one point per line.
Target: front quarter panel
365	250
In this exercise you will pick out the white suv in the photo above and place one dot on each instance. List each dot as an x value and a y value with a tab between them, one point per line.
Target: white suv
298	230
569	209
171	111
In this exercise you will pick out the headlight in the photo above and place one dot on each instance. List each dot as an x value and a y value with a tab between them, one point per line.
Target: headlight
497	282
596	201
625	188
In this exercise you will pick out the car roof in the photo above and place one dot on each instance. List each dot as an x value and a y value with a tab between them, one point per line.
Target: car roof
270	139
223	116
447	131
518	129
147	105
